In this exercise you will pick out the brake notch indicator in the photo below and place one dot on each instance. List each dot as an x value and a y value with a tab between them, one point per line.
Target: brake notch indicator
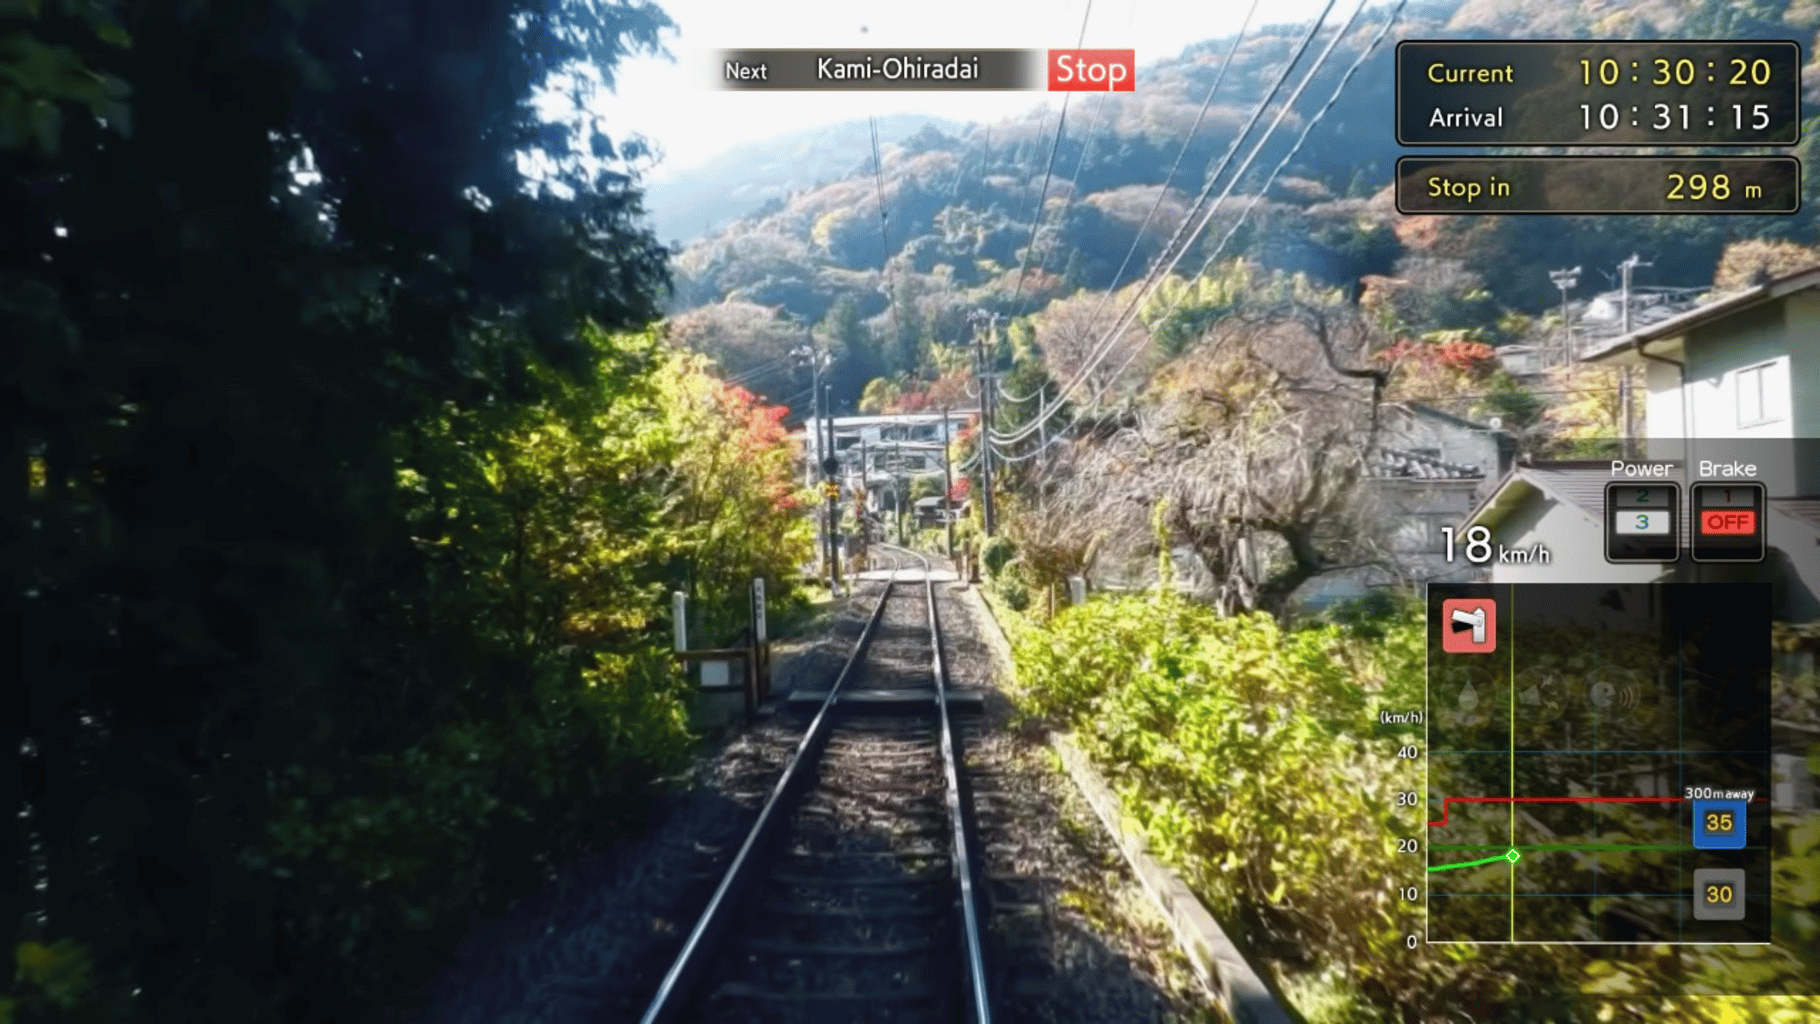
1641	522
1728	522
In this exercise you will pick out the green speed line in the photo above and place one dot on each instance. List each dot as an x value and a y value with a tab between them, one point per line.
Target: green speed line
1510	855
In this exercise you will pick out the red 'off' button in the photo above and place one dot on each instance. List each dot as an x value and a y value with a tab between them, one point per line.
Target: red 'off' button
1728	522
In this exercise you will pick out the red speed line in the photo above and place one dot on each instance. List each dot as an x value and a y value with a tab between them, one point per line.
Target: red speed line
1550	800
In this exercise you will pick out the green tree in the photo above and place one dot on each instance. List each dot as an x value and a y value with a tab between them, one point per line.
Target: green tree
223	364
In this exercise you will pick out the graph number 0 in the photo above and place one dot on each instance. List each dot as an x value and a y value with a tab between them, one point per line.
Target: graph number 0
1718	894
1478	543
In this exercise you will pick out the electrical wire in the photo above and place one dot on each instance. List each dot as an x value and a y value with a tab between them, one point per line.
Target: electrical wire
1137	238
1306	130
960	167
1042	197
884	242
762	369
1156	278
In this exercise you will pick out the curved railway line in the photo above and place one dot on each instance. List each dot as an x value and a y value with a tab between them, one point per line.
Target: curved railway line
856	896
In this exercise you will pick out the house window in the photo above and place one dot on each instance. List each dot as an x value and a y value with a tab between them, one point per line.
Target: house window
1757	395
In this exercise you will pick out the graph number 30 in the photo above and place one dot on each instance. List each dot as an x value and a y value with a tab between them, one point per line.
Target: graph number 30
1719	894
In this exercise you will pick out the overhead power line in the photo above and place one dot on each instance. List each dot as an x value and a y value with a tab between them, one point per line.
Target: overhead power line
884	241
1306	131
1162	273
1042	197
1137	239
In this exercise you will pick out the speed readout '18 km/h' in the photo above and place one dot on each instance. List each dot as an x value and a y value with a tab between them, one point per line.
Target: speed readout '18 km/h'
1598	185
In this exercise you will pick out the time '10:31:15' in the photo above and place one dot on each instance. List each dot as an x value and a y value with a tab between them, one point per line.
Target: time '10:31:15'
1668	116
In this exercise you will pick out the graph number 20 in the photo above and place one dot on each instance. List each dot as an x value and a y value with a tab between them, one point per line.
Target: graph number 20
1477	547
1719	822
1718	894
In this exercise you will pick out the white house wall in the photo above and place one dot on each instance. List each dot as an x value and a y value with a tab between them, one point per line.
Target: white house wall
1803	317
1716	358
1780	345
1576	545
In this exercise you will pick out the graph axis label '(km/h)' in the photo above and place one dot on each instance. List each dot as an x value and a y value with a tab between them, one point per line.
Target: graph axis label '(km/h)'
1589	779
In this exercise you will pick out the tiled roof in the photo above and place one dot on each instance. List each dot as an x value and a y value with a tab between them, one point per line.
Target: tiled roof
1581	484
1401	465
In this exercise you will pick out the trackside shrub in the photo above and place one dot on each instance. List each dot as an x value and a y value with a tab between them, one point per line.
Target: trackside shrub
996	553
1251	758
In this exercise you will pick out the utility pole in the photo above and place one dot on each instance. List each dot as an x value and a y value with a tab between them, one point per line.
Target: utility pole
832	467
1625	415
947	484
823	404
983	324
1565	280
897	486
821	459
865	483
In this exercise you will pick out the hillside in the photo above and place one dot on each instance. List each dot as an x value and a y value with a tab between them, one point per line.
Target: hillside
742	179
959	207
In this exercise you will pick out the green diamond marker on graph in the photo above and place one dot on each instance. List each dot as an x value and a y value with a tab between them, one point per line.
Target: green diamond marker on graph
1513	856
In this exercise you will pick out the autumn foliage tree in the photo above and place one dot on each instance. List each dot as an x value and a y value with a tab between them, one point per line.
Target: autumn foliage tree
731	498
1747	262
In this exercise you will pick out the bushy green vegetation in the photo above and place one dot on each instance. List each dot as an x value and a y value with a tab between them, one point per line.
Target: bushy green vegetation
1252	757
996	553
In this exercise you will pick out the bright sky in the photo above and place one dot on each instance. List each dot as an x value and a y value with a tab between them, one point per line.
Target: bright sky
669	102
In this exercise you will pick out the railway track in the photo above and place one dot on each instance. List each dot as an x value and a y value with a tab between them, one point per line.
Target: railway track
855	896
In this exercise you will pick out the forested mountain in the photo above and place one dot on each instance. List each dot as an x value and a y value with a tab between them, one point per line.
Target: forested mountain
959	206
736	182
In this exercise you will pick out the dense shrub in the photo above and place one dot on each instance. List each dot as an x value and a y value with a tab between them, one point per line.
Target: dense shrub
996	553
1252	758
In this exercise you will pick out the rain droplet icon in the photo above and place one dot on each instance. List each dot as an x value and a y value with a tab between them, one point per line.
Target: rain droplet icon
1469	698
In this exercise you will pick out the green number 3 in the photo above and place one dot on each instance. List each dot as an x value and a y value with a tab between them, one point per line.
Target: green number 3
1642	521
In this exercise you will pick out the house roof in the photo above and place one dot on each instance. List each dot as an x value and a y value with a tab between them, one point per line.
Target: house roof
1434	413
1401	465
1580	483
905	419
1718	309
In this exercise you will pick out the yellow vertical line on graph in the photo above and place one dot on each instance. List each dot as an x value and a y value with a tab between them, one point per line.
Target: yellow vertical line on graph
1509	632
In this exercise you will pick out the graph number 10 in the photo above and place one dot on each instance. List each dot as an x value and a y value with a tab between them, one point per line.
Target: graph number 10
1477	547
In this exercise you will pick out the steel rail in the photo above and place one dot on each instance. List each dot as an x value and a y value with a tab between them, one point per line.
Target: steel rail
674	993
978	994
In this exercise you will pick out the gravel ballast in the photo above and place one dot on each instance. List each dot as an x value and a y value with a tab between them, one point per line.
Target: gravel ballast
1077	942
